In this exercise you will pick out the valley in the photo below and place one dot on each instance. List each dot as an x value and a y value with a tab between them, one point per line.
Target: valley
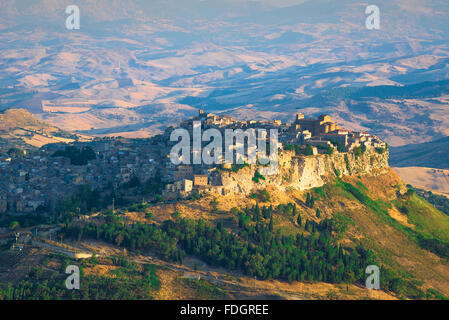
134	77
358	174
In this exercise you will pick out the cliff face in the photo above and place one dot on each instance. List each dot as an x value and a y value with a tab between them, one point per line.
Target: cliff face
306	172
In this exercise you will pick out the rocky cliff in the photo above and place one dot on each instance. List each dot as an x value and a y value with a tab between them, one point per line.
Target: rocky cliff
305	172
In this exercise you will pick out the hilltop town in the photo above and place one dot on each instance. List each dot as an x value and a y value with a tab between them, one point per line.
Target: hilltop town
329	211
34	181
301	139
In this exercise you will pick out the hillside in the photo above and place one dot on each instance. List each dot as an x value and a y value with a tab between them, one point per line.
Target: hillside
434	154
334	231
19	128
13	118
408	238
375	212
436	180
428	89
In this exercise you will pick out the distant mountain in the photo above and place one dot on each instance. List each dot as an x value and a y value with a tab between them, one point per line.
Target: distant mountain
137	66
427	89
433	154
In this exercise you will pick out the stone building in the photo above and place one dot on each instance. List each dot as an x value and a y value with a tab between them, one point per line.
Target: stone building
322	125
200	180
336	139
183	172
181	188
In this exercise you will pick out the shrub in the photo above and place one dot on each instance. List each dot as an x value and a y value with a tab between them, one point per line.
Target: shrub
258	176
261	195
149	215
308	151
214	205
359	151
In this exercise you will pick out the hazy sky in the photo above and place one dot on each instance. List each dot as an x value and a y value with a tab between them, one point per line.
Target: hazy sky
278	3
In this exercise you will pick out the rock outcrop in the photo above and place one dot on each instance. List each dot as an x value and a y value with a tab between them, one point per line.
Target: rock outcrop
305	172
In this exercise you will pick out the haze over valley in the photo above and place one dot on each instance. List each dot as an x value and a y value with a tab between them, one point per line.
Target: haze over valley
135	67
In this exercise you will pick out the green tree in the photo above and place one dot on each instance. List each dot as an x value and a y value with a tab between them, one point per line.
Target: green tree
14	225
257	176
16	152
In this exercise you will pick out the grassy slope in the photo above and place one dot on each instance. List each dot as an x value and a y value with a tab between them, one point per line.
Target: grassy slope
427	219
395	240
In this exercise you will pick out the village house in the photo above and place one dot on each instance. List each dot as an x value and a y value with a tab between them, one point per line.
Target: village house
178	189
200	180
183	172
